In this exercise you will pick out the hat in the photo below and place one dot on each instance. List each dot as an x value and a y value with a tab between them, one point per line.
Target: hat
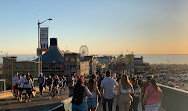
56	76
80	79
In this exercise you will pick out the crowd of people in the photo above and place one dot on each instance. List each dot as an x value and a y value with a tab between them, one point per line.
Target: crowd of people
88	93
55	84
128	90
23	85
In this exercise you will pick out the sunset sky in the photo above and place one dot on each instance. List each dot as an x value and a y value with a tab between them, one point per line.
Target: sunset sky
105	26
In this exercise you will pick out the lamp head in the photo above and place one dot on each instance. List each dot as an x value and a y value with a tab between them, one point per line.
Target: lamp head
50	19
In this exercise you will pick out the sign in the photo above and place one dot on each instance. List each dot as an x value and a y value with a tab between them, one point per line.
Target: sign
44	38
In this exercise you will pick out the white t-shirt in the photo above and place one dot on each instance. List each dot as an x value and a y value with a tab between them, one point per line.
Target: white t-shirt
22	82
29	83
15	80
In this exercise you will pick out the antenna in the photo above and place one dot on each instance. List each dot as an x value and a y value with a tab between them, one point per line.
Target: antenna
130	52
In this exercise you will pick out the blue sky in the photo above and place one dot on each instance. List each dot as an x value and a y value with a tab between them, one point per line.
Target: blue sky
105	26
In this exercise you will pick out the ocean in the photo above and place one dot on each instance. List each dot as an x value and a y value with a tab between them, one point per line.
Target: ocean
149	58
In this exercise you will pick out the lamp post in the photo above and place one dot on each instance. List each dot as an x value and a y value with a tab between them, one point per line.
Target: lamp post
39	52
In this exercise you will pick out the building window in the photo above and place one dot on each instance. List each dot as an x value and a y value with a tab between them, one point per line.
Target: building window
78	59
58	66
45	66
73	59
67	59
66	67
73	67
31	66
53	66
78	67
17	66
25	66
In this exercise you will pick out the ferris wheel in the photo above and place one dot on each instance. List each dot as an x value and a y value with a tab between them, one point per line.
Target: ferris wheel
84	50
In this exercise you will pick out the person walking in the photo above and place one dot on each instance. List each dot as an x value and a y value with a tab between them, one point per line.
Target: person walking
152	97
22	86
107	91
70	84
125	88
132	81
55	84
64	80
136	95
15	85
49	83
41	84
93	100
145	85
99	81
80	93
28	87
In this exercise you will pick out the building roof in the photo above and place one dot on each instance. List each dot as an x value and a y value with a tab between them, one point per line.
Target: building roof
54	54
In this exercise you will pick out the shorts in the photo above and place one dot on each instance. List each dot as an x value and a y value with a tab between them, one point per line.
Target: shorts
28	90
16	87
21	89
92	102
81	107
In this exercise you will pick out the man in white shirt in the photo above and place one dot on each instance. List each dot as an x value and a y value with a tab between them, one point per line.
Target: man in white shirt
107	91
15	85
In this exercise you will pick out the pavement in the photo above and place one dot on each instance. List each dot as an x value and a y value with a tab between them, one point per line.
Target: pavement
9	103
100	107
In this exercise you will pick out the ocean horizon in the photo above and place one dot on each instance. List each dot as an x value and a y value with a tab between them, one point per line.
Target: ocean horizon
149	58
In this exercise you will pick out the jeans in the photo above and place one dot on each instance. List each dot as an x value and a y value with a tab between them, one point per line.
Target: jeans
135	103
81	107
152	107
40	88
110	103
92	102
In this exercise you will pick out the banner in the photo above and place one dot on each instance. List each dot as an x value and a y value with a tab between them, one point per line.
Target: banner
44	38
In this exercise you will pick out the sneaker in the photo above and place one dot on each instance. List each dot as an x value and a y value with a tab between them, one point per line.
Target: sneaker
20	100
40	95
29	100
26	101
50	98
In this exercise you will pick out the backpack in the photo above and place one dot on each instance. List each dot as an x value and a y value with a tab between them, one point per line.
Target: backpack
49	81
78	95
41	80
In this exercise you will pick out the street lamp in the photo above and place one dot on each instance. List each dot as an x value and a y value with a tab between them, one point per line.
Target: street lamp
39	52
